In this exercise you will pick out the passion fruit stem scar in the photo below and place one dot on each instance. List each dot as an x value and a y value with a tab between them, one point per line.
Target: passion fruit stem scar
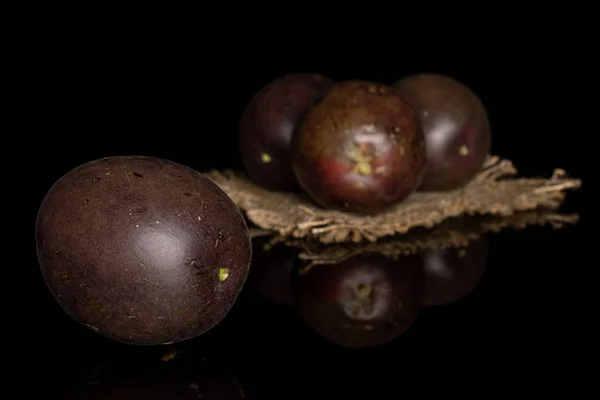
265	157
223	274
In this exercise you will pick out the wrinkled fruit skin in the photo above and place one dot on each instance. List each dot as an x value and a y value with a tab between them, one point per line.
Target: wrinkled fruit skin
456	127
272	270
364	301
452	274
267	125
361	149
142	250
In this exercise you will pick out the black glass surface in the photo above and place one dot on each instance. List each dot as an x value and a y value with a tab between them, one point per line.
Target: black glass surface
516	328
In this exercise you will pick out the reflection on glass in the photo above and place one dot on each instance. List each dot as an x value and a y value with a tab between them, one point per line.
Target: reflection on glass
151	376
363	301
453	273
368	299
271	270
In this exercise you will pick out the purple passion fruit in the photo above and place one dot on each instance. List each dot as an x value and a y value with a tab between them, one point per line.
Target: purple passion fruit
267	125
360	149
456	128
142	250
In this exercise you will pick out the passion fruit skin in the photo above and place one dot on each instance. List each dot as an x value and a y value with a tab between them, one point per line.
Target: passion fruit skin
365	301
361	149
142	250
456	127
452	274
267	125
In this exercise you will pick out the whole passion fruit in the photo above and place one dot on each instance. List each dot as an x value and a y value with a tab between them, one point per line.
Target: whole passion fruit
142	250
361	149
267	125
456	127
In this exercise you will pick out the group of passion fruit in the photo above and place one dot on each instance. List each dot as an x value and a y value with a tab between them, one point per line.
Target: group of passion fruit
147	251
361	146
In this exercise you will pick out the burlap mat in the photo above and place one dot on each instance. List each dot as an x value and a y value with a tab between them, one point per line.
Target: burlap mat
454	232
494	191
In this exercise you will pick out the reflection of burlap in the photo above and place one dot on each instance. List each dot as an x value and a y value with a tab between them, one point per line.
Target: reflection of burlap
490	192
455	232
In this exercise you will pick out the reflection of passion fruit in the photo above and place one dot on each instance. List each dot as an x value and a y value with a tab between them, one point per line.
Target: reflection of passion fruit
452	274
272	269
360	149
267	125
156	379
456	128
142	250
364	301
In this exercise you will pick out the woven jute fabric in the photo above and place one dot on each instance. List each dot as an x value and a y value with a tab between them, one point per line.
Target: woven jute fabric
496	190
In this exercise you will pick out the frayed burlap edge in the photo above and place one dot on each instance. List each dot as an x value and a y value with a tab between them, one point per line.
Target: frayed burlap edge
457	232
494	191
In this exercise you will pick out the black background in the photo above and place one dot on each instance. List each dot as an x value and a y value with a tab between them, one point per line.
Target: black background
176	99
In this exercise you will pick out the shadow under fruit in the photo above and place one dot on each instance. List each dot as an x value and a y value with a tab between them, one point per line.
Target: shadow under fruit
361	149
364	301
142	250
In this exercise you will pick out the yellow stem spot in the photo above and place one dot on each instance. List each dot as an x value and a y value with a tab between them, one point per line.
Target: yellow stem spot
363	290
363	168
223	274
265	157
362	160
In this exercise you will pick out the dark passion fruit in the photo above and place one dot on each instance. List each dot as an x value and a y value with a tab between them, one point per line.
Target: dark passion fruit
364	301
267	125
452	274
456	127
142	250
272	270
360	149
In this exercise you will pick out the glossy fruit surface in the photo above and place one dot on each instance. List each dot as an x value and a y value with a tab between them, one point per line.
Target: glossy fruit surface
267	125
361	149
452	274
141	249
456	127
364	301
